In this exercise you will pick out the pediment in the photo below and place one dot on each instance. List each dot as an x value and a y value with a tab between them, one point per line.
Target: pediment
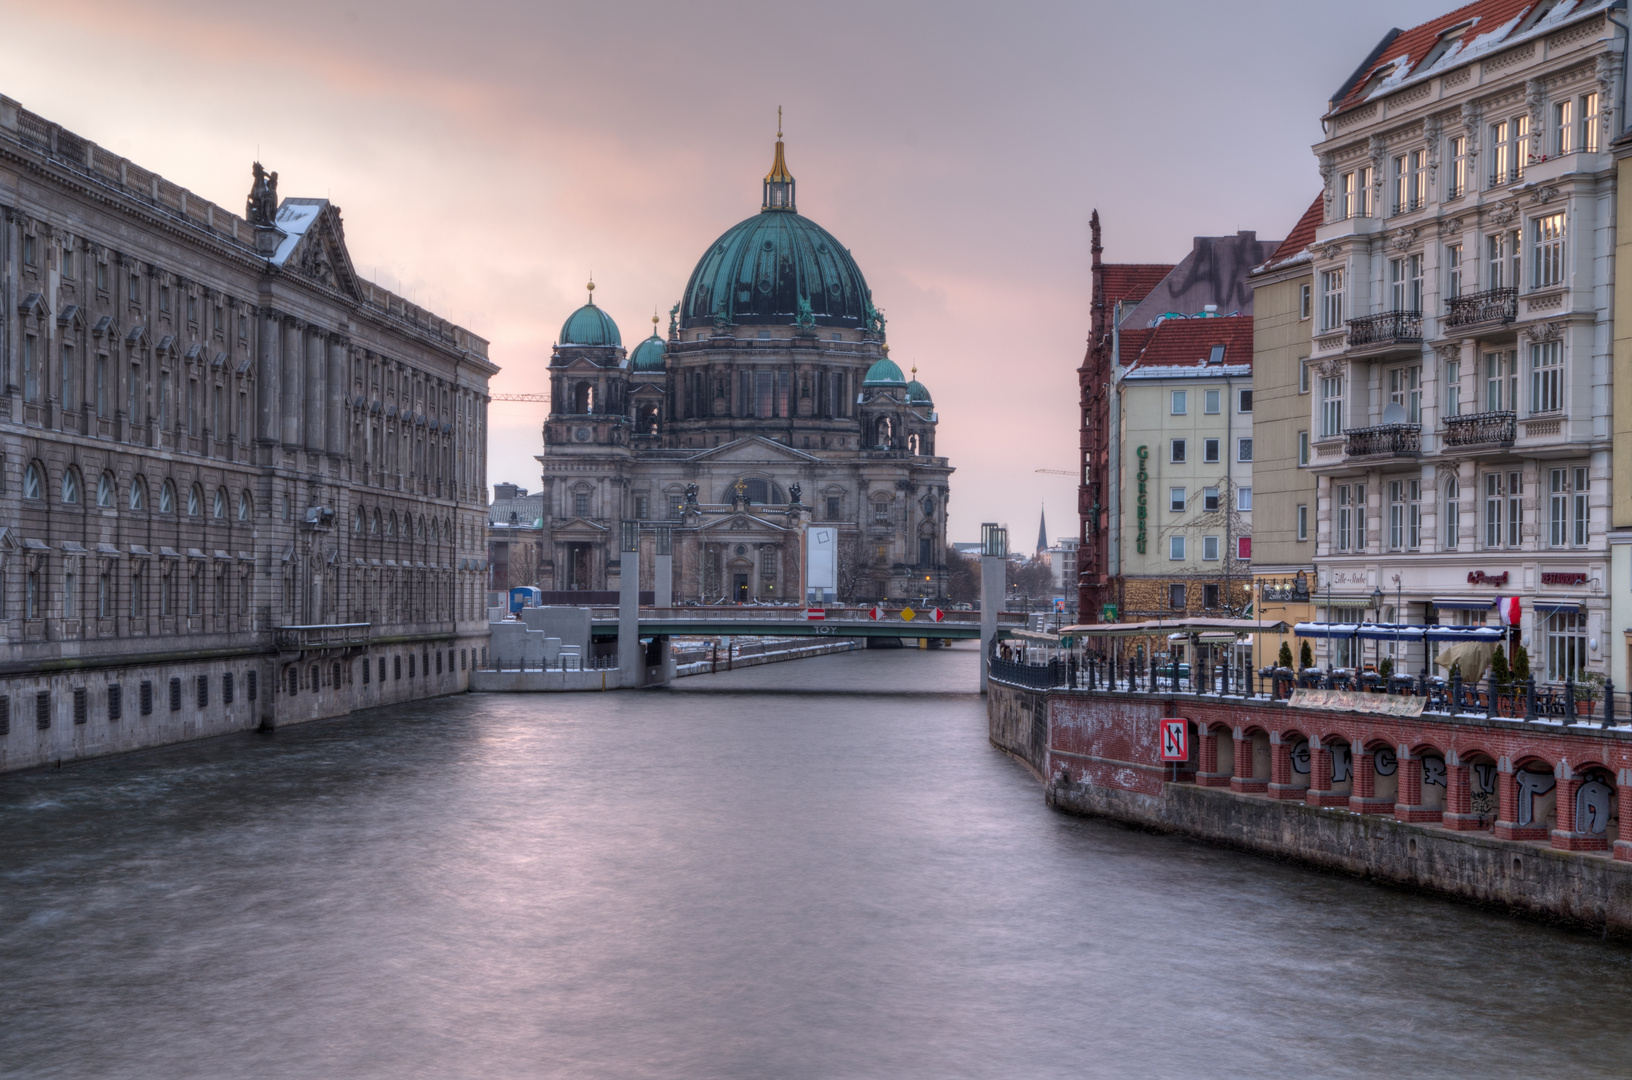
756	450
582	528
314	245
741	523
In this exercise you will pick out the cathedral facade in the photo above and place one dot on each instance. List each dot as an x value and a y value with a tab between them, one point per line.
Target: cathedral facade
770	409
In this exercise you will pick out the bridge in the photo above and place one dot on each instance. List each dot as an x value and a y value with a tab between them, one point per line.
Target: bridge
801	622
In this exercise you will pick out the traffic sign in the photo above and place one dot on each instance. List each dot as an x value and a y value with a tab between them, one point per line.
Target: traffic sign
907	614
937	615
1175	740
875	613
815	614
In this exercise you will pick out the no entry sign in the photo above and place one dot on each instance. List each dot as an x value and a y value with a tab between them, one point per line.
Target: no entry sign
1175	740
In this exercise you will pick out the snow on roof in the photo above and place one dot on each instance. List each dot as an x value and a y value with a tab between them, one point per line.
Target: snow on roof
295	216
1416	54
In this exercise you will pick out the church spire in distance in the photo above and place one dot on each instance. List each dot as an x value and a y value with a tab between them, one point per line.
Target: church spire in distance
778	182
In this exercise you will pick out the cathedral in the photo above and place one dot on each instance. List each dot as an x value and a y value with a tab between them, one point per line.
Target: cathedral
770	411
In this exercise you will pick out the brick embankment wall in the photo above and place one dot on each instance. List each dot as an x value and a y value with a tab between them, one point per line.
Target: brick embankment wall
1018	724
1521	815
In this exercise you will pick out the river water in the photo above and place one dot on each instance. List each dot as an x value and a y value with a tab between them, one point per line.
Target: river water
810	869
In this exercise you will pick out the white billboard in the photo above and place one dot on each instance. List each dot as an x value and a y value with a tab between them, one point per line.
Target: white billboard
821	561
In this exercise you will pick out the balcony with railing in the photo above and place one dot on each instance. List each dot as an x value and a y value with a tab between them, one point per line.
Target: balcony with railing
1384	440
1481	310
324	636
1386	330
1480	430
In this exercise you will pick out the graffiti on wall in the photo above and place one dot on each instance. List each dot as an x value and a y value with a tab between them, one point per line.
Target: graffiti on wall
1530	785
1592	807
1484	788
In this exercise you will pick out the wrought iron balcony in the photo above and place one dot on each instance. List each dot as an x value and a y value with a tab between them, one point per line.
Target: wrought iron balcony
1480	429
1388	328
1383	440
1475	309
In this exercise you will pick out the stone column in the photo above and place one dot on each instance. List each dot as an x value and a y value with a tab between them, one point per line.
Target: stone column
1507	801
339	394
1459	815
293	364
993	587
1623	843
317	391
1409	806
663	581
630	662
1320	777
1363	797
1280	769
1208	775
268	381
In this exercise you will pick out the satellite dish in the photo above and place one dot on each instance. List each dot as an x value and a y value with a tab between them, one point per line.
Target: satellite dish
1394	413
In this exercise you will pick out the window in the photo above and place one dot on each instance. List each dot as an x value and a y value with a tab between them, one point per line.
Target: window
1303	448
1509	147
1546	376
1209	402
1453	514
1567	507
102	386
1404	515
70	486
104	490
116	702
1243	401
1503	507
175	695
133	290
834	512
1566	633
1243	449
1453	270
1351	517
30	255
1564	127
164	298
1176	451
1209	451
1405	282
194	501
33	484
167	498
1209	595
1457	154
1502	260
1175	596
1331	406
1209	549
33	383
1453	388
1587	139
1303	375
1501	381
1410	181
1243	499
1547	251
1306	301
1357	193
1175	548
580	504
1405	390
1179	404
220	507
1303	521
1209	499
1331	300
1176	500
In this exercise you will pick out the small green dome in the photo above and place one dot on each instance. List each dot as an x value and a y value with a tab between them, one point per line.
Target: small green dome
589	325
918	394
884	373
648	355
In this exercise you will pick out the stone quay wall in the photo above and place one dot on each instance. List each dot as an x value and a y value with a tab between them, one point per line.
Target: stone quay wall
1522	815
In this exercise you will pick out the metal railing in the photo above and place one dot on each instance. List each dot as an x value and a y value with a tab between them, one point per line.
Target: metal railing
1385	328
1481	429
1383	439
1490	306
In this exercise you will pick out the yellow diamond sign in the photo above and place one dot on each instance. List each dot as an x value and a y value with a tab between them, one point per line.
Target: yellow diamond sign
907	614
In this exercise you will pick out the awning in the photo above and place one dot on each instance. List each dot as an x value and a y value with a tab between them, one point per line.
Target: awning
1158	627
1462	603
1552	607
1326	630
1318	601
1036	637
1398	631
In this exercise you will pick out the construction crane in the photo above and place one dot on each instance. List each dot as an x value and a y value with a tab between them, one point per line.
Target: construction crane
1056	472
519	397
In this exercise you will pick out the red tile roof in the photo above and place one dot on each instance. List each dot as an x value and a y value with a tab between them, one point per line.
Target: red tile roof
1499	23
1303	233
1131	282
1185	342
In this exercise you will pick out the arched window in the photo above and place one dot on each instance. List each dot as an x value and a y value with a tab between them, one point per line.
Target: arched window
220	508
70	485
1453	513
105	488
374	523
583	398
884	430
138	494
33	483
647	422
195	501
167	498
422	528
244	504
391	525
913	444
436	532
357	521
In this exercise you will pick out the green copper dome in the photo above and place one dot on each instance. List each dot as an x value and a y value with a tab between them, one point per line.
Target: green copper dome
589	325
918	393
648	355
884	373
777	269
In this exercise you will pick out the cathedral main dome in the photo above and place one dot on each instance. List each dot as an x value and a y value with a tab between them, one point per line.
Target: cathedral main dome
775	269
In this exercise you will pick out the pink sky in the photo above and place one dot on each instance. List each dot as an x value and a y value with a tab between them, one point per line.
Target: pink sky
489	154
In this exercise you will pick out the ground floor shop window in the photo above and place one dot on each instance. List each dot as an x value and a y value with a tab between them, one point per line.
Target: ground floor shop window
1565	634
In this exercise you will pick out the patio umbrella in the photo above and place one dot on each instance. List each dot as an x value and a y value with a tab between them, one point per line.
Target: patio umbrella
1474	656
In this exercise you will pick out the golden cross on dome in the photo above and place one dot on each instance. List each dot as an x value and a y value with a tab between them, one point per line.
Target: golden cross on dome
779	121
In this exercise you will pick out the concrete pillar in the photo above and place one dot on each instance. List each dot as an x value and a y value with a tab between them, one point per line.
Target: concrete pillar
1280	770
339	393
293	369
663	581
1459	813
994	557
268	383
1363	798
317	391
1623	842
1320	775
630	661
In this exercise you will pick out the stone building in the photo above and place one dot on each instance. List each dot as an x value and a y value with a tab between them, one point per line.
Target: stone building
1459	405
771	407
239	484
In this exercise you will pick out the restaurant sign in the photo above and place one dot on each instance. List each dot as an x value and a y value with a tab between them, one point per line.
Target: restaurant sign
1563	579
1479	577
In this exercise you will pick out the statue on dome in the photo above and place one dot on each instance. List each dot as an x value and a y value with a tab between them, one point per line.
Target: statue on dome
674	322
806	319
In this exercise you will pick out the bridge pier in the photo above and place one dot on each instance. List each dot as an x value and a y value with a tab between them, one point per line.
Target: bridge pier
994	581
631	663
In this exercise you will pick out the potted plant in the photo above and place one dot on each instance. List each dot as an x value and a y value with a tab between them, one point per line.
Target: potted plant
1589	687
1306	657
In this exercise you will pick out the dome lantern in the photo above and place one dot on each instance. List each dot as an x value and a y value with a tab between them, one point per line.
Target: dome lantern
591	326
778	182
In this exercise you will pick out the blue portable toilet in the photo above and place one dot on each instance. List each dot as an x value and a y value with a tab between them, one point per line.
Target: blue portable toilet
525	596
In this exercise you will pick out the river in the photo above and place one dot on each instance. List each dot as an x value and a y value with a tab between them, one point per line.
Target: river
811	869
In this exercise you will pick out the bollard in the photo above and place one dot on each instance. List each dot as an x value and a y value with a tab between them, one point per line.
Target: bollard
1226	678
1456	692
1569	698
1490	698
1530	698
1609	704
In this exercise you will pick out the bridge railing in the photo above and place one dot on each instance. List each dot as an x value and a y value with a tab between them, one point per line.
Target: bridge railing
783	615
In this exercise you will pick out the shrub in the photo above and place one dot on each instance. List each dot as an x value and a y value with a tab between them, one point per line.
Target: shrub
1498	669
1385	669
1521	666
1306	656
1285	659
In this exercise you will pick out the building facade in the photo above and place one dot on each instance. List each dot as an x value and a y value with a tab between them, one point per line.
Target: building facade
1459	404
239	484
771	408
